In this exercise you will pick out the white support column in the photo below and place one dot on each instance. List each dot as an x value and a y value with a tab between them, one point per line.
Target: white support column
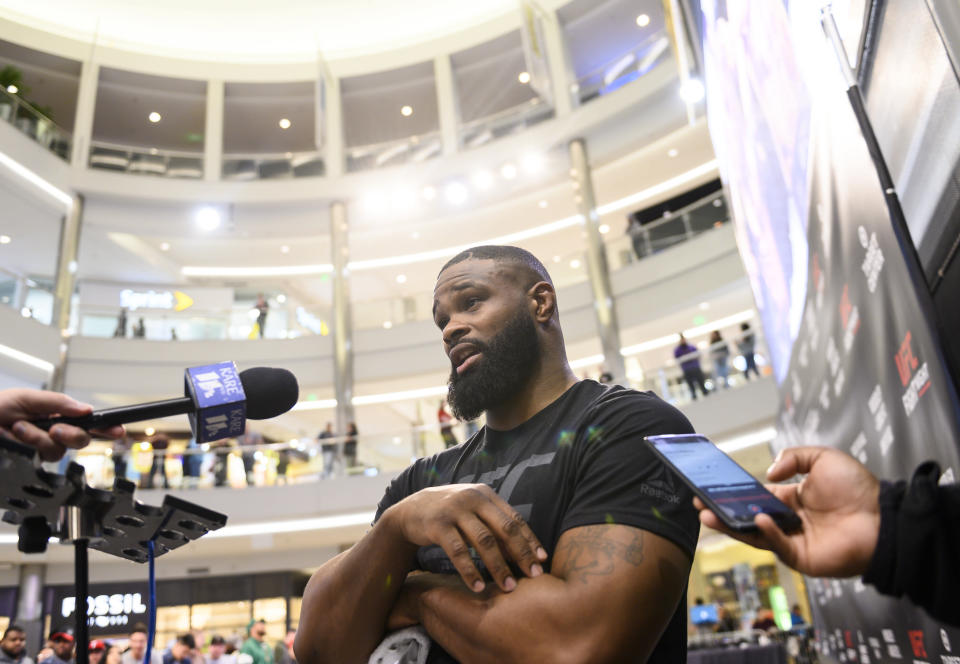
561	77
213	132
447	103
334	153
83	119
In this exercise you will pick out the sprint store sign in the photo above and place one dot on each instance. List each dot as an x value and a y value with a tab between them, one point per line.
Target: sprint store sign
133	300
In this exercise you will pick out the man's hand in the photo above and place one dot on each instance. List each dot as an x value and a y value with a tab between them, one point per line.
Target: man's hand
17	406
460	516
837	503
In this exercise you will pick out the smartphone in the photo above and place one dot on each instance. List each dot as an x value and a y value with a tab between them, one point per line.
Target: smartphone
721	483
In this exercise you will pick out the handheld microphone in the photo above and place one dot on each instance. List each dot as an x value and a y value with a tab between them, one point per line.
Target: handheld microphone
218	402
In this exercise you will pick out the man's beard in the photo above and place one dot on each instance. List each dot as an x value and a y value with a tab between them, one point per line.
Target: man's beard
506	366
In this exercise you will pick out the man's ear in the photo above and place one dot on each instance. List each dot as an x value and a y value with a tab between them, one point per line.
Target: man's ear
543	301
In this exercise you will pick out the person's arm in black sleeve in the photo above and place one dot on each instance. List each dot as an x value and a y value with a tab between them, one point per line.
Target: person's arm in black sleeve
919	544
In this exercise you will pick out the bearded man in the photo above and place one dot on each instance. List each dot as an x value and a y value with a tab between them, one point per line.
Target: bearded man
552	535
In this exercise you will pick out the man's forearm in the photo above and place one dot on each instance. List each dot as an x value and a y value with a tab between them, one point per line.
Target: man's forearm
346	602
535	622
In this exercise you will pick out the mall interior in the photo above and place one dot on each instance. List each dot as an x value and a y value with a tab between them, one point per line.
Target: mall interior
279	184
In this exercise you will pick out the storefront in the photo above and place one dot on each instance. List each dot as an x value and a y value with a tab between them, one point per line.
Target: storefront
221	605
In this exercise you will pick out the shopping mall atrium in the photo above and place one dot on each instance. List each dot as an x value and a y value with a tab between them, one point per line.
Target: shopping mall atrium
196	182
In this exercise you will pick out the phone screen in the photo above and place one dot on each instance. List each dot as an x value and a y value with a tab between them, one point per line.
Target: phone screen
719	479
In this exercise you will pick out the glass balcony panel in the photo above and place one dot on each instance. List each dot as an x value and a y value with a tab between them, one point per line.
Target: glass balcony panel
35	124
146	161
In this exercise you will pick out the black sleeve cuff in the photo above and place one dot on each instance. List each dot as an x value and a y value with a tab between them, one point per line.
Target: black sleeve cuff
881	573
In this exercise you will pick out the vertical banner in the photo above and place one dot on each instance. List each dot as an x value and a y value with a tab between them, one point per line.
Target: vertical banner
320	102
535	50
855	352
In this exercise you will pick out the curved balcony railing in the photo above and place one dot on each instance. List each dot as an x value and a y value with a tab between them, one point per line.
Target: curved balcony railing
503	123
289	319
624	68
146	161
35	124
274	166
409	150
251	461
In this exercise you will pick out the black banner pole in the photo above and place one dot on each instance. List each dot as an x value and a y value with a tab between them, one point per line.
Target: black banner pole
81	582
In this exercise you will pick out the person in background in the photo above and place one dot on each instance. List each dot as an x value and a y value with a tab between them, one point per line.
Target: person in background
764	621
256	646
725	621
719	356
221	454
191	465
173	334
248	449
137	647
160	443
350	446
689	358
118	455
262	308
181	651
796	618
140	329
62	643
328	449
46	652
903	538
112	656
635	231
283	651
13	646
121	329
217	653
747	345
95	651
446	425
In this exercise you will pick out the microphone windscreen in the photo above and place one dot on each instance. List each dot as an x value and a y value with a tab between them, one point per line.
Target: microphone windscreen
270	392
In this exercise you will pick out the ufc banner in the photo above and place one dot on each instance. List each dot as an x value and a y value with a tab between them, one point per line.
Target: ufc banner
864	372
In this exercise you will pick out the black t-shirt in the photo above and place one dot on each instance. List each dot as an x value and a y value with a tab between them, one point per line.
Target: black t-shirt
580	461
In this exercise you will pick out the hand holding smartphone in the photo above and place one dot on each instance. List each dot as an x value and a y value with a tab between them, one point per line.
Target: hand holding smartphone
721	483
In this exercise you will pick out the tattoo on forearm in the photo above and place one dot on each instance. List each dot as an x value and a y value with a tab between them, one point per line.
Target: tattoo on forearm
594	551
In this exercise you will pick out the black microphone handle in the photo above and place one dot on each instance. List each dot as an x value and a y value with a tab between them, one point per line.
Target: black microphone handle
108	417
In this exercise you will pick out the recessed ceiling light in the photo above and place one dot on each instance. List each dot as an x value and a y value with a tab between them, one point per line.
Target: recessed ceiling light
406	111
415	235
207	218
149	431
387	324
524	77
482	180
604	228
704	306
285	249
508	171
643	20
717	203
455	193
542	204
26	312
532	163
692	91
12	89
429	193
5	239
556	259
164	246
154	150
154	117
575	263
284	123
401	278
673	152
281	298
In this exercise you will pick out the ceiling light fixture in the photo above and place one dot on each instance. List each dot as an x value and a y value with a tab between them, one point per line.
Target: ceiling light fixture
164	246
532	163
673	152
5	239
406	111
284	123
285	249
387	324
281	298
455	193
207	218
575	263
508	171
154	117
12	89
643	21
692	91
429	193
604	228
524	77
542	204
401	278
403	200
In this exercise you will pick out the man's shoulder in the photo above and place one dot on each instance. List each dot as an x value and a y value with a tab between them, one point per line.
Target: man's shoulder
644	409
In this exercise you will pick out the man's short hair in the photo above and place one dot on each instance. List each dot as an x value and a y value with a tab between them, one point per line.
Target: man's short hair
138	627
529	265
13	628
218	640
187	640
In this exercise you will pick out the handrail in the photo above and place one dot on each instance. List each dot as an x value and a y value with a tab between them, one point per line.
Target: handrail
149	151
20	101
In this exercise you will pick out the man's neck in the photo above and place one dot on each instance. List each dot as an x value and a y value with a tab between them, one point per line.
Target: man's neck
545	386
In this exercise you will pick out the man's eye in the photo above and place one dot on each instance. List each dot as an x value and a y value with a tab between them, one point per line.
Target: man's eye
472	302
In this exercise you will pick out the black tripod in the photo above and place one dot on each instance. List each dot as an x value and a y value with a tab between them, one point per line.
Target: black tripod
45	505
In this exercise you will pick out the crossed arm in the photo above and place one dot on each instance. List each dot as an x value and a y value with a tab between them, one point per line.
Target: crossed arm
610	594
